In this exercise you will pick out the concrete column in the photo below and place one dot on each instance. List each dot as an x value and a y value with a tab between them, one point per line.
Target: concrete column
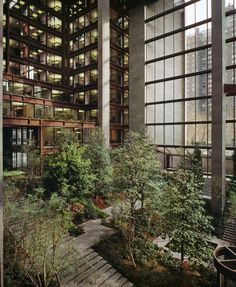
136	67
104	67
1	144
218	109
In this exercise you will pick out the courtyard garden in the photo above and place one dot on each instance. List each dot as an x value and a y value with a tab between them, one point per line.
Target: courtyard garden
148	205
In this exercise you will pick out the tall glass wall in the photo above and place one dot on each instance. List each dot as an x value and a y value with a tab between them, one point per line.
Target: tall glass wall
179	81
178	78
230	58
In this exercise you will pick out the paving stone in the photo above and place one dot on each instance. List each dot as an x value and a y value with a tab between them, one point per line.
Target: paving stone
91	270
121	281
128	284
106	276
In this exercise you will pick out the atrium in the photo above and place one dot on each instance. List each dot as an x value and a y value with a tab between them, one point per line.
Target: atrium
112	111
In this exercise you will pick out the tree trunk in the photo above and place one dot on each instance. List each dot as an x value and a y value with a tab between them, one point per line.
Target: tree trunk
58	280
182	252
132	257
142	200
132	208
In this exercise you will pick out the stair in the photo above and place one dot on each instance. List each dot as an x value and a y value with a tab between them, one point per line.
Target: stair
92	270
230	230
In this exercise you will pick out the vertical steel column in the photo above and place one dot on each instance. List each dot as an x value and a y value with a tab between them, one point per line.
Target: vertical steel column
218	109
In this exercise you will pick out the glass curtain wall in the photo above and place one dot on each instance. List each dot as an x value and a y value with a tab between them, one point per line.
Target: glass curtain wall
178	79
230	58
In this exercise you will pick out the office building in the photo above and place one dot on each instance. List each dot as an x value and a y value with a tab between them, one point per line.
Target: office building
165	65
54	52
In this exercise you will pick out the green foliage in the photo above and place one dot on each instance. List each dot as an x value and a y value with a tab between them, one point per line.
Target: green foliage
37	246
13	275
137	178
114	250
136	170
138	230
68	173
193	163
33	159
66	137
90	211
99	155
231	192
27	185
234	164
76	230
13	173
233	204
184	219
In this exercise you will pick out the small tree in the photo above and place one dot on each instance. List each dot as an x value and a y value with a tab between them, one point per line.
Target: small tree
136	170
68	173
33	159
234	164
137	178
99	155
231	188
184	219
126	224
37	247
233	204
193	163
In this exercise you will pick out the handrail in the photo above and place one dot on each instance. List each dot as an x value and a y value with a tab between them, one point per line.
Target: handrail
223	257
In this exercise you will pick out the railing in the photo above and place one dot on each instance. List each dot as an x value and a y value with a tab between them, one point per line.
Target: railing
225	262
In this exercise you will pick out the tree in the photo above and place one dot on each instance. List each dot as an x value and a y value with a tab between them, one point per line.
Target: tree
36	243
99	155
183	218
137	178
231	188
137	229
68	173
33	158
136	170
234	164
232	199
193	163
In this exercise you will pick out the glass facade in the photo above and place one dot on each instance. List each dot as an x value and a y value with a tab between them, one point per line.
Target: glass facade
179	79
119	71
50	66
230	58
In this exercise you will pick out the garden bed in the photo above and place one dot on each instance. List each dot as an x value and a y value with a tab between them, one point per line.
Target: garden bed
151	275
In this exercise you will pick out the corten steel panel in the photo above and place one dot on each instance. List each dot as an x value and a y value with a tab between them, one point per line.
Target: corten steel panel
89	125
48	150
40	101
10	122
230	89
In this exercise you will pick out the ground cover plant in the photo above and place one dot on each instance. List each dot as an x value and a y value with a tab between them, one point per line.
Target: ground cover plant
161	271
